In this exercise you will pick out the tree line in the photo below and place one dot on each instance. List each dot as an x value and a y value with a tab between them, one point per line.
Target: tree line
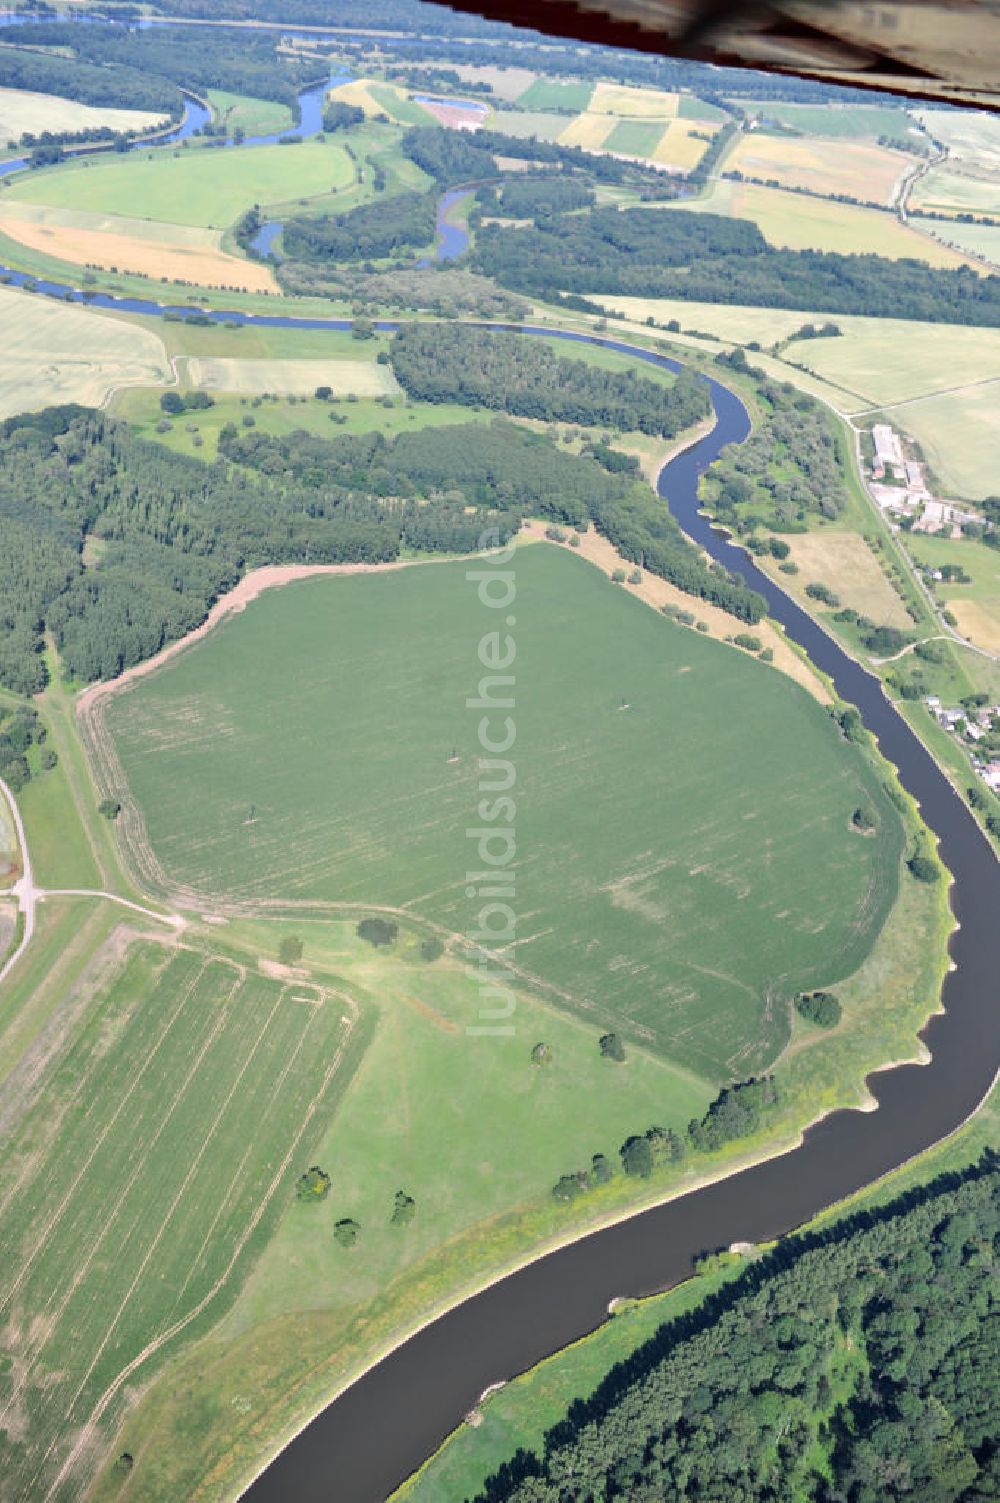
859	1363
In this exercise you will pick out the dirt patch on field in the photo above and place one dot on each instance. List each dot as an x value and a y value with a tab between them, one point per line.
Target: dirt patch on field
658	593
200	265
977	623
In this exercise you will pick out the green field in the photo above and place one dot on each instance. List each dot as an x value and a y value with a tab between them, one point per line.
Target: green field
978	239
636	138
835	120
959	433
255	117
169	1137
399	106
190	187
551	94
690	107
528	123
948	192
644	829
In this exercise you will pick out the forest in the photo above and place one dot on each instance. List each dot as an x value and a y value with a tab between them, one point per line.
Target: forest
455	157
368	232
860	1364
197	58
707	258
505	372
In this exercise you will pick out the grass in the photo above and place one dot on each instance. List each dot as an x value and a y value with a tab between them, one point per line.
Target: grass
959	434
527	123
255	117
398	105
803	223
840	558
55	353
976	239
843	121
632	102
690	107
635	138
589	131
661	862
826	167
169	1137
210	188
550	94
142	409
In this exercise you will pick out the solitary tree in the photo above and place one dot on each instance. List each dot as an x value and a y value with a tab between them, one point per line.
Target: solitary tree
347	1232
404	1208
290	950
612	1047
313	1185
378	931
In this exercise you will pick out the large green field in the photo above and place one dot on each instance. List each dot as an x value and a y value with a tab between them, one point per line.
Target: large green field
190	187
660	813
845	121
168	1138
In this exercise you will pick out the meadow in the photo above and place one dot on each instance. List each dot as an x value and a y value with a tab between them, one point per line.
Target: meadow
55	353
551	94
21	110
644	828
255	117
210	188
976	239
635	138
170	1136
946	191
959	434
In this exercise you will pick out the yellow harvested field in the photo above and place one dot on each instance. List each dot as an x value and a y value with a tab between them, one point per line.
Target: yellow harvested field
141	256
844	562
977	623
362	378
680	146
357	93
824	166
632	102
21	110
51	352
587	131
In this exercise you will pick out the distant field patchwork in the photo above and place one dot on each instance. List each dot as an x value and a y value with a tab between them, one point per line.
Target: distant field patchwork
659	847
55	353
170	1136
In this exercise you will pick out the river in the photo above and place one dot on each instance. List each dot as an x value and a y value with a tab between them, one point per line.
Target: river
368	1440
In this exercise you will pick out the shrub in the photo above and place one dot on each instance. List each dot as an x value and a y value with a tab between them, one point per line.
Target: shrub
748	642
779	548
432	948
290	950
347	1232
313	1185
172	402
600	1169
788	568
635	577
109	807
541	1055
821	1008
816	590
378	931
701	626
637	1157
618	576
863	819
924	869
404	1208
570	1186
612	1047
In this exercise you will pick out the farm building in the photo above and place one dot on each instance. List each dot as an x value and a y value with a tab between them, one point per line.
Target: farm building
887	450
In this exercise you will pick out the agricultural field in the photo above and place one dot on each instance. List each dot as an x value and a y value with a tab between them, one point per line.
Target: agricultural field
632	102
944	190
179	253
398	105
972	137
589	131
690	107
976	605
975	239
56	353
635	138
209	188
552	94
169	1139
527	123
959	433
682	143
799	222
507	83
22	111
660	862
826	167
255	117
361	378
846	121
886	361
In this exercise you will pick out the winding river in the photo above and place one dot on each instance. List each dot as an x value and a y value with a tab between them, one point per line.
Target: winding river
363	1445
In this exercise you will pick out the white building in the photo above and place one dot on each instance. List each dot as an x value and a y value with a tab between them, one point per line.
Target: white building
887	450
